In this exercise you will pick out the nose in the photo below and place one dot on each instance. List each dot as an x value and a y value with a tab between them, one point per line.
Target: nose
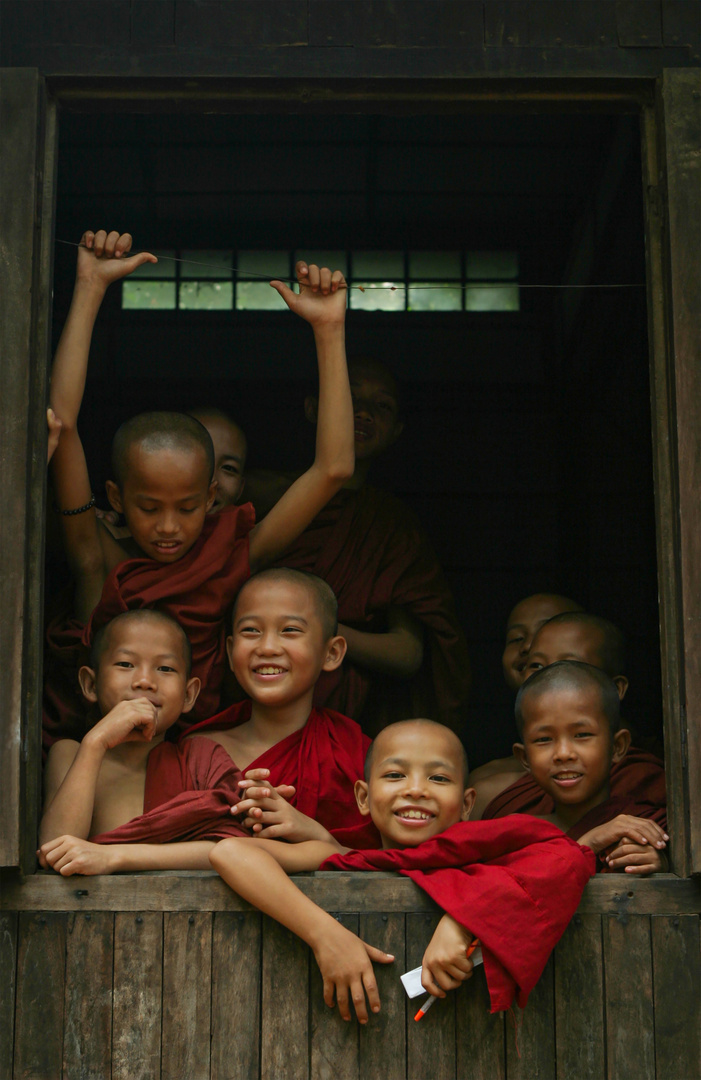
563	750
167	524
362	408
416	785
144	679
267	644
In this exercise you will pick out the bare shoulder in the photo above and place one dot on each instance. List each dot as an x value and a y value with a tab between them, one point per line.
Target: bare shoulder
60	758
489	786
497	766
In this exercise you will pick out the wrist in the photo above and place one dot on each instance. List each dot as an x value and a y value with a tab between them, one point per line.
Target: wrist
329	332
93	744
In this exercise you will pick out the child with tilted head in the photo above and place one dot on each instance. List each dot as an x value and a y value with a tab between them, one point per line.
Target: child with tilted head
512	884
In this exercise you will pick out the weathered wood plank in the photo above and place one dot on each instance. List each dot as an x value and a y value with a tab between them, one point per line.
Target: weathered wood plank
334	1041
285	1004
664	894
41	961
588	23
382	1053
187	966
677	995
430	1041
8	973
376	23
87	1035
481	1048
628	997
530	1051
236	994
639	24
579	1000
247	22
137	996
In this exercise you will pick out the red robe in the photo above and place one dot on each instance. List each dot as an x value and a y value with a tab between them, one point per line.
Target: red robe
373	553
322	760
515	884
197	591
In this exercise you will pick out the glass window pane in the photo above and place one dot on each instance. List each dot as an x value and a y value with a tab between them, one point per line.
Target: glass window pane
269	264
447	298
378	264
257	296
335	260
206	295
431	265
499	298
487	265
151	295
205	264
163	269
377	298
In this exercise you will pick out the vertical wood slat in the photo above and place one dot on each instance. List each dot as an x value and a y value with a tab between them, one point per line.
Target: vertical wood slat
87	1034
430	1041
334	1041
677	994
187	964
579	1000
284	1047
382	1052
628	994
41	957
481	1046
530	1051
236	993
137	995
8	974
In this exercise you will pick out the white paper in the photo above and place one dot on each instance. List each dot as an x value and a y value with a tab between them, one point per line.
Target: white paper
411	980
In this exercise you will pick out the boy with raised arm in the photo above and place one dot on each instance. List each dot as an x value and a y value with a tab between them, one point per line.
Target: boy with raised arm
514	884
163	484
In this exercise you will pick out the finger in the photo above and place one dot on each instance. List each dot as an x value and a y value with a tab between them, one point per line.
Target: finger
378	955
640	871
256	774
429	983
359	1004
123	245
301	271
313	278
285	791
285	292
269	832
372	992
325	280
135	261
342	1001
88	239
110	243
329	992
99	239
255	792
337	280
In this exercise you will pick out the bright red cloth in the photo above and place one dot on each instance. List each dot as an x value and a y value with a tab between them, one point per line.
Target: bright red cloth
373	553
322	760
514	883
197	591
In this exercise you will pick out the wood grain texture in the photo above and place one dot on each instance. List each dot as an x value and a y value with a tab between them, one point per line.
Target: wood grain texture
481	1034
530	1051
639	25
630	1039
430	1041
187	964
382	1051
236	994
39	1001
137	996
579	1000
8	983
334	1041
87	1035
676	965
285	1004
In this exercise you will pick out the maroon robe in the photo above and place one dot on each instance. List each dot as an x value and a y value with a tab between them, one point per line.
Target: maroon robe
371	550
515	884
197	591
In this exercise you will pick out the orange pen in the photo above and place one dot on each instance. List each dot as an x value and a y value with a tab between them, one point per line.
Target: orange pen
430	1000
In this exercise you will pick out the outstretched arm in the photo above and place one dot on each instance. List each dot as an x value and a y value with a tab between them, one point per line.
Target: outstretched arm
69	855
255	869
321	302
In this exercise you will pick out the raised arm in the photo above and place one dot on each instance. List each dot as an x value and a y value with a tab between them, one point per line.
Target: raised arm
321	302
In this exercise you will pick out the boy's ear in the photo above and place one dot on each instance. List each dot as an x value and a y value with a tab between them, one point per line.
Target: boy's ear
468	801
115	496
88	680
520	754
621	742
361	797
311	409
230	650
192	690
211	494
621	684
335	651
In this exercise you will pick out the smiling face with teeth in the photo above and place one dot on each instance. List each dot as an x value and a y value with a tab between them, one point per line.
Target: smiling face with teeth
415	786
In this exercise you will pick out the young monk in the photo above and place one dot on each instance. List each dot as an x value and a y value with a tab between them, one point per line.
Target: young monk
406	650
163	484
284	635
123	782
568	715
638	777
514	885
230	452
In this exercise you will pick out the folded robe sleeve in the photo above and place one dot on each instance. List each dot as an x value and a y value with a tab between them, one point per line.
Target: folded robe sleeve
513	883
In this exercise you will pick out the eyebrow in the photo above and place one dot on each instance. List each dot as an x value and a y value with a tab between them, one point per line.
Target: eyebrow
246	618
161	656
231	457
437	764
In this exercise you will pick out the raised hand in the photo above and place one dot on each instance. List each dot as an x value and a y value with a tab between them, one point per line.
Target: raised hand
129	721
104	257
321	299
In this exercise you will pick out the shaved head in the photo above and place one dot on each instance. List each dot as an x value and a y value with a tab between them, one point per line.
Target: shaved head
611	646
570	675
155	431
101	639
321	594
377	370
208	413
392	731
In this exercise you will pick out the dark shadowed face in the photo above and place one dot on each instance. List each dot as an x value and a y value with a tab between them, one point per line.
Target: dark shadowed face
524	623
375	411
564	641
229	459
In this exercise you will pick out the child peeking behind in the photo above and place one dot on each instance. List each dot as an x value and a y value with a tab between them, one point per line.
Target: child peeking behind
514	884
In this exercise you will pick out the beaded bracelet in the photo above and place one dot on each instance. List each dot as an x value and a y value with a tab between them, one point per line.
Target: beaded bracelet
79	510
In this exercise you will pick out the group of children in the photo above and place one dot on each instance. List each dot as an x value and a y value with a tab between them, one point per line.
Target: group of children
146	770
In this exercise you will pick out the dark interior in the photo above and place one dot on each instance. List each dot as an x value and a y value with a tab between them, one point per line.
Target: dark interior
527	448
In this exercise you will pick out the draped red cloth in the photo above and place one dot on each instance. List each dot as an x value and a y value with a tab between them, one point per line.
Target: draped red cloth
189	792
373	553
197	591
514	883
322	760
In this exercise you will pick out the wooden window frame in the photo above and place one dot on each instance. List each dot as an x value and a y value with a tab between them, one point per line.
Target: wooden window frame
670	128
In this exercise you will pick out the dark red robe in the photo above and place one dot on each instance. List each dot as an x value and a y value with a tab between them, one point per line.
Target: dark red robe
197	591
515	884
322	760
373	553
